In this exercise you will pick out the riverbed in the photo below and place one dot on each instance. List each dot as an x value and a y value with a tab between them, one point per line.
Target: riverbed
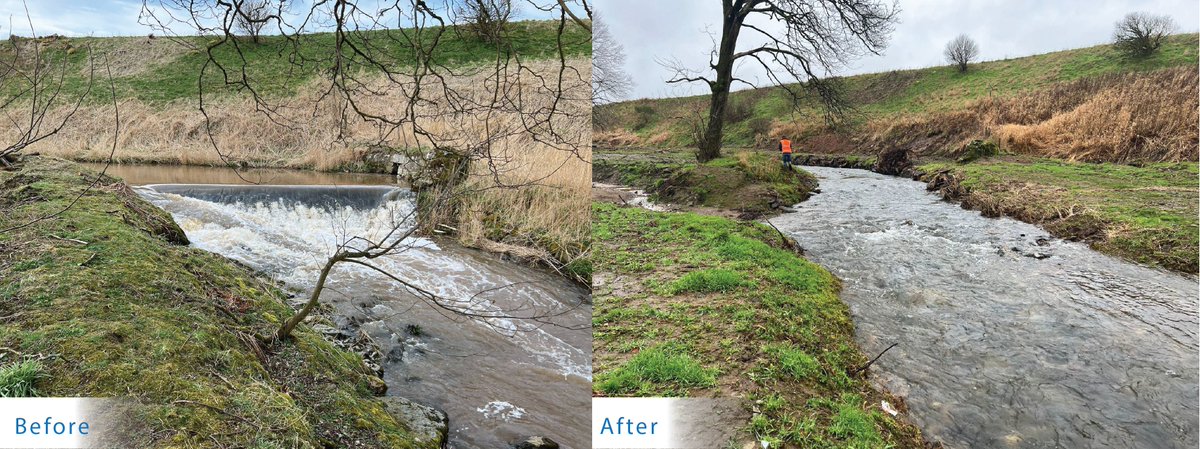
1007	337
518	363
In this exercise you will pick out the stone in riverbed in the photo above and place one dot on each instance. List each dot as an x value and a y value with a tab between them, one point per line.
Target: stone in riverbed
536	442
427	424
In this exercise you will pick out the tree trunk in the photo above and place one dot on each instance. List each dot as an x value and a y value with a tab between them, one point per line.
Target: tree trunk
710	142
285	331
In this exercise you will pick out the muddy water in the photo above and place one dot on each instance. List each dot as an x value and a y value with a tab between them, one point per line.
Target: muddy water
498	377
1005	342
192	174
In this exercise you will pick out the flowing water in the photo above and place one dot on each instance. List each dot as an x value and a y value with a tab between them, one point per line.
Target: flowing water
498	376
1007	337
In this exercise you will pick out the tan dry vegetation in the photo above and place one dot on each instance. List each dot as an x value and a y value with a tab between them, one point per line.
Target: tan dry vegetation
548	211
130	56
1113	118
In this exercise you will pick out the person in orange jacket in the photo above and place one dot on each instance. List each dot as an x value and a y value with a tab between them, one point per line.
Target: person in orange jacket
785	147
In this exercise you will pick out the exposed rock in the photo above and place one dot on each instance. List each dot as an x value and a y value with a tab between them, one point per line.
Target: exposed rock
536	442
427	424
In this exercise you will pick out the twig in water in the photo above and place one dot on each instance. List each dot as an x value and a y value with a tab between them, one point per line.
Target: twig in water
868	365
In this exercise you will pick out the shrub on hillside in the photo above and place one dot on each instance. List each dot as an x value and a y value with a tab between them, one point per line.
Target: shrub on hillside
1140	34
643	115
977	149
760	128
738	110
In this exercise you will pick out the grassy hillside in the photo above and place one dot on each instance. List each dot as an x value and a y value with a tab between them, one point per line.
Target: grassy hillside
1034	104
158	70
102	301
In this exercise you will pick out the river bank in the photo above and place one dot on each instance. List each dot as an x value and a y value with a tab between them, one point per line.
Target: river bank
744	184
104	301
1146	214
704	306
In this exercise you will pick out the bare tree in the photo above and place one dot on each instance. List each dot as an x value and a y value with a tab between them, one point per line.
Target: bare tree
961	51
385	73
37	103
252	16
1140	34
609	80
486	19
817	37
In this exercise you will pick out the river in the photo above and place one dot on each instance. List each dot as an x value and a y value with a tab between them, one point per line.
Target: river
499	378
1007	337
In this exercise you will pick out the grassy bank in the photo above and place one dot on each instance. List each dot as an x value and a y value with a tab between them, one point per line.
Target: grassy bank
752	183
695	305
1082	104
101	302
1146	214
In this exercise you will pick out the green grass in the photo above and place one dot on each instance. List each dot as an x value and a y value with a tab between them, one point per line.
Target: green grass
1147	214
268	64
750	182
19	379
657	371
127	314
766	322
892	94
709	281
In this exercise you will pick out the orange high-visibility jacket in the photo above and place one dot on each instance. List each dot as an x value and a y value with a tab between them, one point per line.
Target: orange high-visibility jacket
785	146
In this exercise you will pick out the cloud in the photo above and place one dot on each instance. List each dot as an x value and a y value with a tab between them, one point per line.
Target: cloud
658	30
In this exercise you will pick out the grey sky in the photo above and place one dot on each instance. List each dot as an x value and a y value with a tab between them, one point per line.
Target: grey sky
653	30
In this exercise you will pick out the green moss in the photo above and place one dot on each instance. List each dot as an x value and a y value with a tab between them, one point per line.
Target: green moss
182	331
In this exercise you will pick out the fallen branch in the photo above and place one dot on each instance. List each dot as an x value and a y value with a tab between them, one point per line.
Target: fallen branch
868	365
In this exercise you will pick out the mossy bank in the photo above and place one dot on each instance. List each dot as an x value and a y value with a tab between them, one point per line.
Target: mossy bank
704	306
102	300
752	184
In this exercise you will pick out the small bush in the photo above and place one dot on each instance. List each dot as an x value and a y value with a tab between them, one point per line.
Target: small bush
977	149
737	110
19	379
643	116
760	128
657	370
709	281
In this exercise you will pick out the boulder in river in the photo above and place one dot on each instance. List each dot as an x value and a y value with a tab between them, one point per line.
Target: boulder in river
426	423
536	442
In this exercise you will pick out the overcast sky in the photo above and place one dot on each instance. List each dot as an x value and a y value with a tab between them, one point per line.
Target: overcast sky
653	30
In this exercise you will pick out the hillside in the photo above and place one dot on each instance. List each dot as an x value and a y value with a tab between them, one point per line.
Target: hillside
1087	104
159	70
